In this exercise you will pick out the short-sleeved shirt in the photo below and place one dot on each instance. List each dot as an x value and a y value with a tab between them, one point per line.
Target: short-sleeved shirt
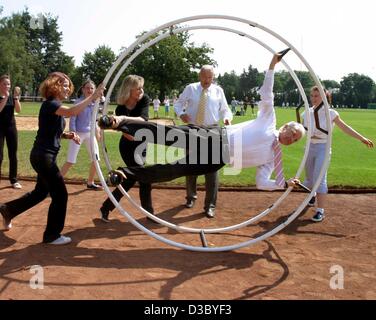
51	127
321	137
7	114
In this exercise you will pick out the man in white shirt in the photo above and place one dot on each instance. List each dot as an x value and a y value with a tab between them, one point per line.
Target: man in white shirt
248	144
187	107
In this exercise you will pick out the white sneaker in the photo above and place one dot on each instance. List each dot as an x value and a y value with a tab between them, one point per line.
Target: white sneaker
16	185
7	224
61	241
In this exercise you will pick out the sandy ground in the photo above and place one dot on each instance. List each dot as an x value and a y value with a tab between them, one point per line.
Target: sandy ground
31	123
118	261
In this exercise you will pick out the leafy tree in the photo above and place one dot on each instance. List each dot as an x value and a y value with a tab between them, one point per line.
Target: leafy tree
248	82
14	58
357	90
230	84
44	46
170	64
330	84
96	65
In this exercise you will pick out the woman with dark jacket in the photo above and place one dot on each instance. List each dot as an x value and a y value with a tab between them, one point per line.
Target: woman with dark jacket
132	103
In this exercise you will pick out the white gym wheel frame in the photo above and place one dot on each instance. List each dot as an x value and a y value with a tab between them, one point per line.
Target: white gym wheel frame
170	31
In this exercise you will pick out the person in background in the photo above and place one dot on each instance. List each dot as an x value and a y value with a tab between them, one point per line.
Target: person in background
203	103
156	104
8	130
167	106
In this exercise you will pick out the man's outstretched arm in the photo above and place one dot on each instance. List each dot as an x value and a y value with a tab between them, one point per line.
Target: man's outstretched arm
266	90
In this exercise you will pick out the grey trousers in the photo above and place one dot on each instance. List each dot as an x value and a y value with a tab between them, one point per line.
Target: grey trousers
211	189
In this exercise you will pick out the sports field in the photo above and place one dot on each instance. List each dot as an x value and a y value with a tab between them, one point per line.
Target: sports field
352	163
334	259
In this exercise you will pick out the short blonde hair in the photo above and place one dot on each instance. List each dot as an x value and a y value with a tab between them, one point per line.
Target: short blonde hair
131	81
294	127
52	86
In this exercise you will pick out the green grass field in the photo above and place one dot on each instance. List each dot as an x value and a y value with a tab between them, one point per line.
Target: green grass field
352	163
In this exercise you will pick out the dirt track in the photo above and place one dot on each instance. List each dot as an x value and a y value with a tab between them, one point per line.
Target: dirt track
31	123
117	261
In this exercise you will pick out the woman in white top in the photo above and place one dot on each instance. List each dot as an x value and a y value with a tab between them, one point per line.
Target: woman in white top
156	104
316	155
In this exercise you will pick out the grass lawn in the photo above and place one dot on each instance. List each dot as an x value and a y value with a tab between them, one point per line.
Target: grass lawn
352	163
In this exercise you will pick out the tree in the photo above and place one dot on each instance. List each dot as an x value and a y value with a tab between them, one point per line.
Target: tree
248	81
14	58
357	90
96	65
330	84
291	90
230	84
170	64
44	46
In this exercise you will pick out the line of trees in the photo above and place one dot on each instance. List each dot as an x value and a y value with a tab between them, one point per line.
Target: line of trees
355	90
31	48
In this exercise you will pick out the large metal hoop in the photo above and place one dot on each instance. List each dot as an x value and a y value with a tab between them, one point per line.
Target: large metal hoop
246	223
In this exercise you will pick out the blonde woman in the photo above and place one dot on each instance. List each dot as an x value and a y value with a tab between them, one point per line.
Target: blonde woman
133	104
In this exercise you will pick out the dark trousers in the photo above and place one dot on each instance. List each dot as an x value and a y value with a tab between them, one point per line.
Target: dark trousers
211	189
49	181
9	134
209	142
132	159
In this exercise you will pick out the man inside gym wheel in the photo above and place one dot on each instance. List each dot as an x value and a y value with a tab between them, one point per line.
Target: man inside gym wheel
248	144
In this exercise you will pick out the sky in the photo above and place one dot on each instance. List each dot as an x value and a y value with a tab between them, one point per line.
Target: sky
335	37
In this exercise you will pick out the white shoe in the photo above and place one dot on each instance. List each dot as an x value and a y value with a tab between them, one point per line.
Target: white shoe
7	224
16	185
61	241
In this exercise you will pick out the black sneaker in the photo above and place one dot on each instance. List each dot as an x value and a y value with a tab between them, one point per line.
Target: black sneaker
318	217
312	202
104	215
190	203
94	186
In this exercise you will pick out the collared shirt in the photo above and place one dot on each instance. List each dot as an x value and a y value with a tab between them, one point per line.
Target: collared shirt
251	142
82	122
216	109
320	137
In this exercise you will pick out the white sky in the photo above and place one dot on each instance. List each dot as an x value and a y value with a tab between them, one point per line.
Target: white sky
336	37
